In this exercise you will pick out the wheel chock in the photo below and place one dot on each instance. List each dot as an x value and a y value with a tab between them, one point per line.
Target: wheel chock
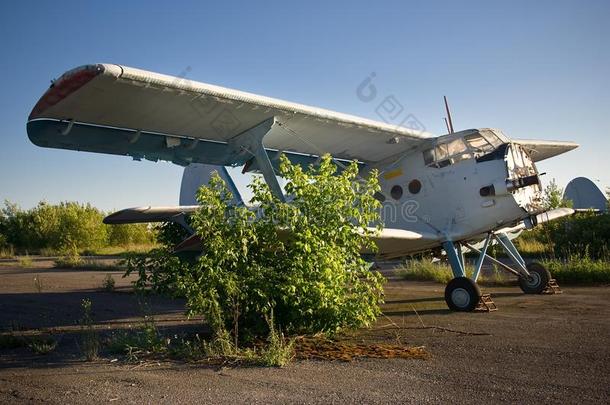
552	288
486	304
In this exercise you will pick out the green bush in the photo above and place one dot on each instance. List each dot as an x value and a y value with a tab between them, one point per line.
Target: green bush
129	234
65	228
300	260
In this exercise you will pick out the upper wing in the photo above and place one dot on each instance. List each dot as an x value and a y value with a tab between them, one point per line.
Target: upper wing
121	110
540	150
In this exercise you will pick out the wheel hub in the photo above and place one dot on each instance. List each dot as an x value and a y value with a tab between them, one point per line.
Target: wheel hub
533	280
460	297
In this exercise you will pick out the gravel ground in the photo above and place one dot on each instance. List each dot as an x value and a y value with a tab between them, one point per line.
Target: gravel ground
534	349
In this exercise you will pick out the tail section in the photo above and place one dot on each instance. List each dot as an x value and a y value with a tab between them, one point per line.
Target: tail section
197	174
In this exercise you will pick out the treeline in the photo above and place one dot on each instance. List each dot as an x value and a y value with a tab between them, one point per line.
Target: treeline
68	227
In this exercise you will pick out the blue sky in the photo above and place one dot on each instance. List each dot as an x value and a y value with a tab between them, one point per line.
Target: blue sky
533	69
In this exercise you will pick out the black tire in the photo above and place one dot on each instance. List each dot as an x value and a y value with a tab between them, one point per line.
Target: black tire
462	294
538	281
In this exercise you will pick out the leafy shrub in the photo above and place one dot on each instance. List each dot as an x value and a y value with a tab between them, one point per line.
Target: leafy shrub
300	259
129	234
66	228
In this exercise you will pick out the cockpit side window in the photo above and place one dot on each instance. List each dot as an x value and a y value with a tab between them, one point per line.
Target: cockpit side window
442	152
429	156
456	147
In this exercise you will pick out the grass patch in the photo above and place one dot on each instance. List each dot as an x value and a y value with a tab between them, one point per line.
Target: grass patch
108	283
42	345
425	270
7	252
78	263
440	272
146	342
24	261
579	270
141	342
121	250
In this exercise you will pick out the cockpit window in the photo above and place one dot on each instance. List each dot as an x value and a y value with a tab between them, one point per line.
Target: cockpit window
456	147
478	143
447	153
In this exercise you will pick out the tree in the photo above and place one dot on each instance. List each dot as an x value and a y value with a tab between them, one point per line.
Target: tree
553	197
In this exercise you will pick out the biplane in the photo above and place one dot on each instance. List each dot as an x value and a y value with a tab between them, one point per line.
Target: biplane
462	190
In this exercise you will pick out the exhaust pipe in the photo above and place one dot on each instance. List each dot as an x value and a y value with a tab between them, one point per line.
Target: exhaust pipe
509	186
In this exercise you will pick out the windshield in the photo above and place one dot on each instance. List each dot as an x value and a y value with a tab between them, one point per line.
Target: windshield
472	145
447	153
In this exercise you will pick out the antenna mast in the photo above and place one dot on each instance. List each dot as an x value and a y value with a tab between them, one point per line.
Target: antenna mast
448	120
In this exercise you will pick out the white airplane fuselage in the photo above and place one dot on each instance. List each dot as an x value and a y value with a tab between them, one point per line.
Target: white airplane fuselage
460	186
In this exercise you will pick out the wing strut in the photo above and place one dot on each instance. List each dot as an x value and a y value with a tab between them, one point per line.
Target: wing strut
251	142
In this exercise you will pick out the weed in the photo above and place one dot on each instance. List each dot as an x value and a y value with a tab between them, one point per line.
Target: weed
145	340
279	351
68	261
25	261
108	283
7	252
38	283
90	344
42	345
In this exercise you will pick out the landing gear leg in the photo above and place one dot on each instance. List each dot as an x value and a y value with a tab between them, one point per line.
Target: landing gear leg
461	293
534	278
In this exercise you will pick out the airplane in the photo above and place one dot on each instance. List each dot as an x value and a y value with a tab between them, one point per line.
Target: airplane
446	192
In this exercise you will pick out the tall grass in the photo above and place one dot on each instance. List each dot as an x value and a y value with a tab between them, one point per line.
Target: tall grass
580	269
440	272
576	269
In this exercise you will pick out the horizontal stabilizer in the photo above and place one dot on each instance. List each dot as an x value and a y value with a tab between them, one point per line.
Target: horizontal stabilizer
399	242
540	149
148	214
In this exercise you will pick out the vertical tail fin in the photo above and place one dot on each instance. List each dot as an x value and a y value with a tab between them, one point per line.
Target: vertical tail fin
196	174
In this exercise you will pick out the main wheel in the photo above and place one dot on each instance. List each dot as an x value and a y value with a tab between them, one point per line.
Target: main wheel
538	280
462	294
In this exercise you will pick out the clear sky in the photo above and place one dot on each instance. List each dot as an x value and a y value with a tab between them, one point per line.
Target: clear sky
535	69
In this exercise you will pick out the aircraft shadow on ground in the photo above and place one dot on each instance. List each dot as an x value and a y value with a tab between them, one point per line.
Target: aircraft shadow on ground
414	300
21	311
34	270
411	312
